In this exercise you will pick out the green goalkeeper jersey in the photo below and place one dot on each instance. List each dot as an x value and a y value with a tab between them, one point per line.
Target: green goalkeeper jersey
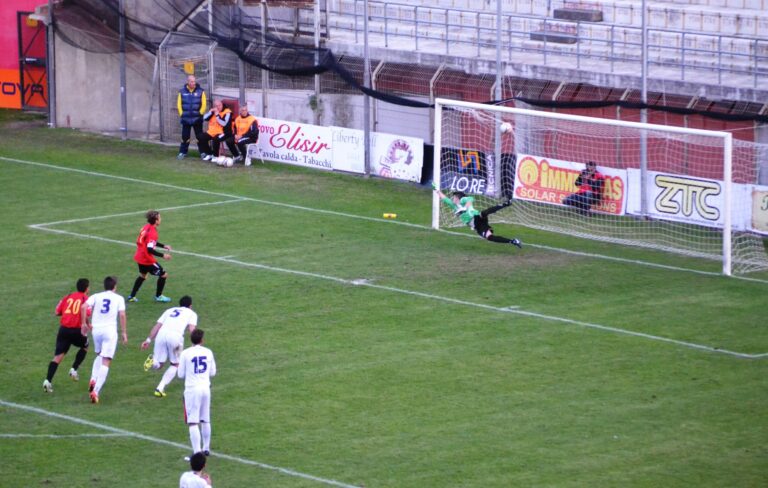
464	210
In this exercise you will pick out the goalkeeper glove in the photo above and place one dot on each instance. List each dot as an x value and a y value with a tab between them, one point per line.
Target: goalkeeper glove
434	186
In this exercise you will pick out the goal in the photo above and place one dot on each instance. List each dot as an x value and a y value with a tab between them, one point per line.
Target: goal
679	190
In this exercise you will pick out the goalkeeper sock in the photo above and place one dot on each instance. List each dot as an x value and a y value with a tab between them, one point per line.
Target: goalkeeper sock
495	238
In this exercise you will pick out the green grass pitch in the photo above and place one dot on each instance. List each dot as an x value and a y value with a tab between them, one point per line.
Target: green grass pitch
359	351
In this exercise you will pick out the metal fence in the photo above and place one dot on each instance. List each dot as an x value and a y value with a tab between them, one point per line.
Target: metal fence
735	57
178	56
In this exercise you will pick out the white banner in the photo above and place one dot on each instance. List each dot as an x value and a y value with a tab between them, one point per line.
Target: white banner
396	156
759	196
348	150
338	148
295	143
691	200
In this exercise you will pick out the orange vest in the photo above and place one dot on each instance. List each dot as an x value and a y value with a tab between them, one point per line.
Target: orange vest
243	124
214	128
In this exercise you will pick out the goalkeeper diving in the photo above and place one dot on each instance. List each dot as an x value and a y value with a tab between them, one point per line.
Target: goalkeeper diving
462	207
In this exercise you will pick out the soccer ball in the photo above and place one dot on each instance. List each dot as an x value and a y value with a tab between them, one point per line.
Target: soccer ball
218	160
505	127
228	162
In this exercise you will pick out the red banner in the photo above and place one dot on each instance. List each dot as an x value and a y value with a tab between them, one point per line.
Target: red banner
10	88
29	57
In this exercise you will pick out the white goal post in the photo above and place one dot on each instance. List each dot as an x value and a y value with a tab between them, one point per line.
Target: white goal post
679	190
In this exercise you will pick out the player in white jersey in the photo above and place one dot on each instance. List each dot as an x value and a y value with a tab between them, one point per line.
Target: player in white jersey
197	366
106	308
197	478
169	335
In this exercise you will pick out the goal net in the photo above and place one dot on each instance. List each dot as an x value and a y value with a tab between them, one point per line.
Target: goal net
685	191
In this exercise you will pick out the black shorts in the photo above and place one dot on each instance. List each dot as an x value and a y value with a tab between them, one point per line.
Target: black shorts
153	269
480	225
67	337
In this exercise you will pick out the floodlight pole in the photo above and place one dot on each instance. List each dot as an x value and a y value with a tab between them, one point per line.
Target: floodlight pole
317	62
240	45
644	114
264	72
497	96
210	16
366	98
123	100
51	68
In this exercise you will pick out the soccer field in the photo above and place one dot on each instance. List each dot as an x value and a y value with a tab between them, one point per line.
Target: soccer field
355	350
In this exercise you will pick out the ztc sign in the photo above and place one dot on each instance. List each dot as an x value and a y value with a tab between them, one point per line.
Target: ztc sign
680	198
683	195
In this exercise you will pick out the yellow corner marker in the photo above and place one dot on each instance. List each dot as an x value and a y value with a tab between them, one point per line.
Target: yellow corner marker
390	216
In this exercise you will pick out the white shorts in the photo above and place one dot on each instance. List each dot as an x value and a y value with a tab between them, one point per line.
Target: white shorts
197	405
105	341
168	348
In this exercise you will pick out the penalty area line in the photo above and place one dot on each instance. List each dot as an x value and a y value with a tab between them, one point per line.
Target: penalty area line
156	440
366	218
138	212
59	436
358	282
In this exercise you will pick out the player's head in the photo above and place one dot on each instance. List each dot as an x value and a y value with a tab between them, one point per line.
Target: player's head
110	282
197	336
153	217
197	461
82	285
244	111
591	166
458	195
186	301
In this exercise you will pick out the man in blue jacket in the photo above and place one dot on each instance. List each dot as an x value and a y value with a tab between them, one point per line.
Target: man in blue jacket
191	104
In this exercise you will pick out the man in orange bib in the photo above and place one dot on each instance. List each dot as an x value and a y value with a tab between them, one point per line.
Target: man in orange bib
246	131
219	130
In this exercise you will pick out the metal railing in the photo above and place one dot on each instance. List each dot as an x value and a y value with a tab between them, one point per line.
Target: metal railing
617	49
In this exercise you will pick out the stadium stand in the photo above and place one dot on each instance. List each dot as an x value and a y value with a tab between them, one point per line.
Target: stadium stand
720	43
691	73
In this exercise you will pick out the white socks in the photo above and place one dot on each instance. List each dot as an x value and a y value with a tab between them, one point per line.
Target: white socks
194	438
205	429
168	376
101	378
96	367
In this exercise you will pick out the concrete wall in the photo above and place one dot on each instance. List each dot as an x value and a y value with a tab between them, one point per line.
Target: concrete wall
88	84
88	90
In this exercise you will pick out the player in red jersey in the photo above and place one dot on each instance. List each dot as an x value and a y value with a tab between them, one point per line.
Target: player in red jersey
146	250
69	333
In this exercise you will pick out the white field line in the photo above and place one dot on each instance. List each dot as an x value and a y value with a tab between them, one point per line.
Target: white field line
213	193
372	219
358	282
58	436
139	212
157	440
